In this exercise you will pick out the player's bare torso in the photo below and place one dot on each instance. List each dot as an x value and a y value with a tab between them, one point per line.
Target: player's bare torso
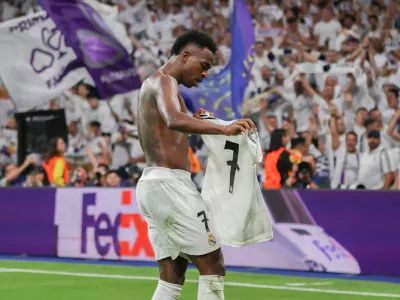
162	146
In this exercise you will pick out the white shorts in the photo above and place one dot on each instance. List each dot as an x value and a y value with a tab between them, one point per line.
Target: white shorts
177	218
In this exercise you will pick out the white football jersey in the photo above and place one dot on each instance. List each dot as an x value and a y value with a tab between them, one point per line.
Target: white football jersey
231	190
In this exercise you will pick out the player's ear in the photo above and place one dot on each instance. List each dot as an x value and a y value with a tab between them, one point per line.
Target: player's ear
185	56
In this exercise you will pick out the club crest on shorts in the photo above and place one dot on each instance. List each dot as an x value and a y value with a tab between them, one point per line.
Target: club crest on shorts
212	240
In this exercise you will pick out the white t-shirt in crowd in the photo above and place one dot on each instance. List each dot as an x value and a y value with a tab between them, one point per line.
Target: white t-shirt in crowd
9	11
137	16
349	169
118	104
102	115
360	131
327	30
6	107
226	52
302	110
76	144
374	165
94	144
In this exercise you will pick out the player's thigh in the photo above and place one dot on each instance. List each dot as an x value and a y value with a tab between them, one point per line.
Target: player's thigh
173	271
210	264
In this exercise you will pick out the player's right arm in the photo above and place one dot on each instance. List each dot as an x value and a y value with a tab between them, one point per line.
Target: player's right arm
170	110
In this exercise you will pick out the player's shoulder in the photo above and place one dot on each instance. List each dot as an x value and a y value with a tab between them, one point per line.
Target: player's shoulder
161	78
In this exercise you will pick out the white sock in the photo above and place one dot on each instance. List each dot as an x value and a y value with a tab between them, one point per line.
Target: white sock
211	287
167	291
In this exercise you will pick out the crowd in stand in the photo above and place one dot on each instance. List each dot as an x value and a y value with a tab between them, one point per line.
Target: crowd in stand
324	93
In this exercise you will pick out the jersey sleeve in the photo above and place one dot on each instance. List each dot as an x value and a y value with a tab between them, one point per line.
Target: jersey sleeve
253	142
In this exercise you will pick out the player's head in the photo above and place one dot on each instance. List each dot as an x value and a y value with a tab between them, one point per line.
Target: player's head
195	51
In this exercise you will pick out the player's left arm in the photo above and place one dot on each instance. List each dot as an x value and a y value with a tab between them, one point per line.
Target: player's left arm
170	110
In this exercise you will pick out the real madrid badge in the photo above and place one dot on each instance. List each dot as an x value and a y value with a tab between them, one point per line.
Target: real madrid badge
212	240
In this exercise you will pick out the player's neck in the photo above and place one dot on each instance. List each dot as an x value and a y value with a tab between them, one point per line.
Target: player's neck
172	69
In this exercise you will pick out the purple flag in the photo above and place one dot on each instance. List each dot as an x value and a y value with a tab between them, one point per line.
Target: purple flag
95	46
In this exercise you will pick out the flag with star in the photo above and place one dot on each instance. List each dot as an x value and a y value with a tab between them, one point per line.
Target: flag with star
223	92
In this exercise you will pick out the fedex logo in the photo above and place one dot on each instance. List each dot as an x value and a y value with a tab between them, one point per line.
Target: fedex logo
105	226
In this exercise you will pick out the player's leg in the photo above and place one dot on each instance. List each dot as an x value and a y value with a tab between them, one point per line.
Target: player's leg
172	278
212	274
156	201
203	249
173	271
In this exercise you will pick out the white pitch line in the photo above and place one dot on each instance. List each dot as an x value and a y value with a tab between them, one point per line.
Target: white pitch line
237	284
307	283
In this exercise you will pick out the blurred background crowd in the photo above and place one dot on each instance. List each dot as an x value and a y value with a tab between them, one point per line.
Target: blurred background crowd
324	93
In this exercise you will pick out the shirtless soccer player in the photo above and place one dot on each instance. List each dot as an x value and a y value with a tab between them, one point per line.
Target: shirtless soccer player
180	227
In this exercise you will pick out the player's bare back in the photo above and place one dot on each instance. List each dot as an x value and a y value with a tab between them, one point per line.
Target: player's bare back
162	146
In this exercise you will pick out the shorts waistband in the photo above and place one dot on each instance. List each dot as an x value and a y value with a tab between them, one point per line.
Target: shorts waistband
164	173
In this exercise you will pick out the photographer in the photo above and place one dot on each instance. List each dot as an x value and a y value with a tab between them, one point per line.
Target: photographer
78	178
301	177
100	175
37	178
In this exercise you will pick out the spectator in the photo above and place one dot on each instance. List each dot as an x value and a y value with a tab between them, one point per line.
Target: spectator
277	160
347	163
359	127
375	170
12	174
301	177
76	140
322	176
327	29
9	141
96	141
298	149
55	164
113	179
78	178
99	112
194	161
101	172
37	178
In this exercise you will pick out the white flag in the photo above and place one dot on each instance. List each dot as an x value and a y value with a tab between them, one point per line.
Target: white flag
33	59
36	65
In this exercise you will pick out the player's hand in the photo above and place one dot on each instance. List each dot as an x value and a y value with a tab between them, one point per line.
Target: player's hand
201	111
240	126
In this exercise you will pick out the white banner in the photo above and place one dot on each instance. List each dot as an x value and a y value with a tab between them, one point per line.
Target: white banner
32	61
34	57
319	67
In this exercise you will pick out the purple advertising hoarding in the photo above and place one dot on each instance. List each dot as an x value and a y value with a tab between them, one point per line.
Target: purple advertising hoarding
366	223
27	221
342	232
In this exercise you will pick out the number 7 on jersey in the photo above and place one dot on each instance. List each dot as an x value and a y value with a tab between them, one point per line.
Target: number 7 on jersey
232	163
